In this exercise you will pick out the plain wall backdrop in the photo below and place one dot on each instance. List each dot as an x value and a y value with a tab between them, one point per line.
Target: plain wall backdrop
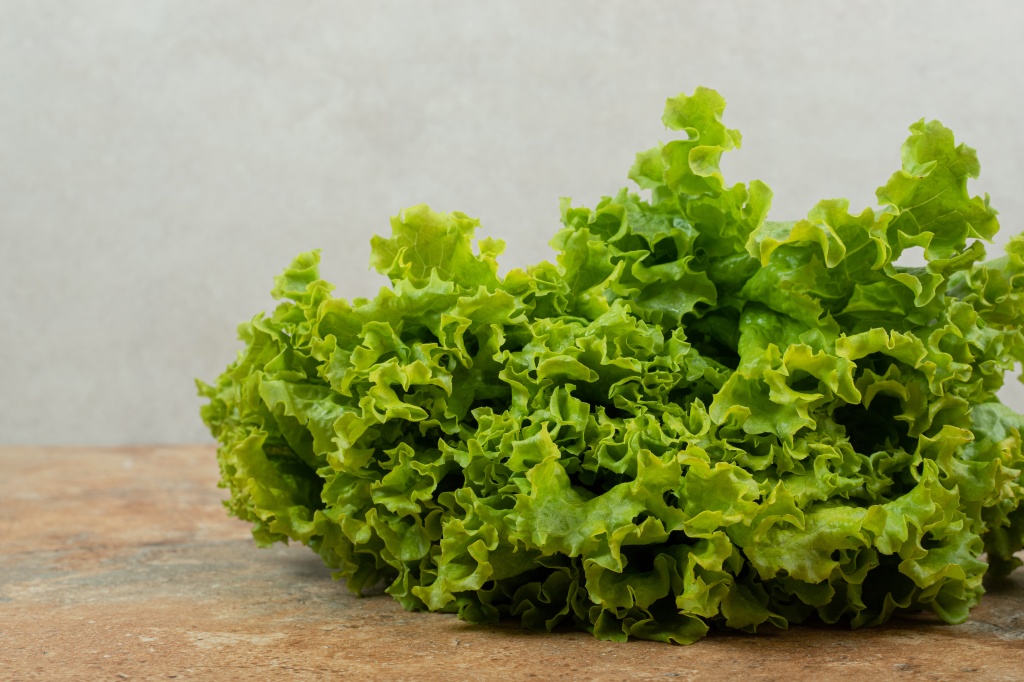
160	162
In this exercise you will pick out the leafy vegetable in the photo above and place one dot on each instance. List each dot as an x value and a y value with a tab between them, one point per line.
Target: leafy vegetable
697	417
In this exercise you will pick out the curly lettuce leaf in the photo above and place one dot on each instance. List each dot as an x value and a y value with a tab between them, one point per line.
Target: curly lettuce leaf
695	418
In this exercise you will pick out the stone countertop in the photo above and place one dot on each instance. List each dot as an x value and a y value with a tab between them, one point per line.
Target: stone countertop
120	563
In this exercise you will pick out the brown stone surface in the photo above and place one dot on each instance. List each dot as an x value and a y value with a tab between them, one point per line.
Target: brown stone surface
121	564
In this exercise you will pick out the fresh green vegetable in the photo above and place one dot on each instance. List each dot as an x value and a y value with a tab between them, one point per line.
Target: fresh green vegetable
696	418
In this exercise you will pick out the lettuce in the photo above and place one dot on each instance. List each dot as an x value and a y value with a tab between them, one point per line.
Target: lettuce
696	418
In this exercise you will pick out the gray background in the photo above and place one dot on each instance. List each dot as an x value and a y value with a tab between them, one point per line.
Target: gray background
160	162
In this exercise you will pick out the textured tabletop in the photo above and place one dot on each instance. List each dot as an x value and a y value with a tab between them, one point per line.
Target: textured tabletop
122	564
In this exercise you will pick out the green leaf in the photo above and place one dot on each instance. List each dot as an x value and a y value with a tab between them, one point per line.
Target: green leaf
694	417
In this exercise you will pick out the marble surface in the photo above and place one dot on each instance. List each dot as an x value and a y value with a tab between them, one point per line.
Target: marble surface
121	564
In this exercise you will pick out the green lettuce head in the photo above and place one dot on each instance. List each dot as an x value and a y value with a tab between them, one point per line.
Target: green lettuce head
696	418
